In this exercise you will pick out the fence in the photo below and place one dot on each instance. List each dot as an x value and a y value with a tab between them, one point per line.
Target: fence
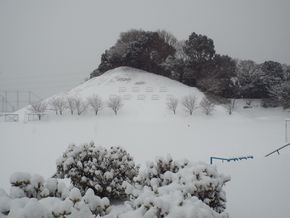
11	117
37	116
12	100
231	159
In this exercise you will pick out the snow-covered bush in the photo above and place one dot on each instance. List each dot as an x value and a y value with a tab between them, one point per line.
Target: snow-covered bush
165	177
164	189
103	170
167	202
156	172
32	196
25	185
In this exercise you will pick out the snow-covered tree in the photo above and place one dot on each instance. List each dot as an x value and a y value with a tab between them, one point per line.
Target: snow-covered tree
189	103
172	104
230	106
96	103
249	79
59	104
103	170
207	106
255	80
115	103
168	37
80	105
280	93
71	104
38	108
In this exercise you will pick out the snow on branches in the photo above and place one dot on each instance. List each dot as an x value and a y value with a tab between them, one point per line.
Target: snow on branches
103	170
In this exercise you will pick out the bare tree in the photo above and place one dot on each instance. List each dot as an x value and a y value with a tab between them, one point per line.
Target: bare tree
172	104
71	104
58	104
80	105
207	106
230	106
189	103
38	108
96	103
115	103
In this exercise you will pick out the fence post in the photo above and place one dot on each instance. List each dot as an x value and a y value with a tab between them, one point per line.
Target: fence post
286	132
6	95
2	101
17	99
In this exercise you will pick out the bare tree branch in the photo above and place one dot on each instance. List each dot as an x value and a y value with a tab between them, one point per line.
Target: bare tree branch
115	103
172	104
189	103
96	103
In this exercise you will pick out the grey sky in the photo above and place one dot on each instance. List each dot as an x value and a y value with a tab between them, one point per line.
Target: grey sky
49	46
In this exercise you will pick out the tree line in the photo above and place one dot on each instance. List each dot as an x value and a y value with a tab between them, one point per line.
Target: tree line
195	62
75	105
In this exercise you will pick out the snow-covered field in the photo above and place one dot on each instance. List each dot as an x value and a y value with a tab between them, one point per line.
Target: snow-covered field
146	129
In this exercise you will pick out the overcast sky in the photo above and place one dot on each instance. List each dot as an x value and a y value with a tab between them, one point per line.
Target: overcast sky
49	46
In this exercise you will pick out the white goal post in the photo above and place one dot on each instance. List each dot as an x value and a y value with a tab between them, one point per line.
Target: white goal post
287	129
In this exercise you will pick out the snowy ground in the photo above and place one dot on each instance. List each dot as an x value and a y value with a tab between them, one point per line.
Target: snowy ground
146	129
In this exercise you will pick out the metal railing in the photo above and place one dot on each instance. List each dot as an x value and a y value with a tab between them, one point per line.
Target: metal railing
231	159
277	150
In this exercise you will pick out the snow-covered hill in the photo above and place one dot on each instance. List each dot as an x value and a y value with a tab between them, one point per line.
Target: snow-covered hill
146	129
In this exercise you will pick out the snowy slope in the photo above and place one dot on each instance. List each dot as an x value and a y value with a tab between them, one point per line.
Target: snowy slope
146	129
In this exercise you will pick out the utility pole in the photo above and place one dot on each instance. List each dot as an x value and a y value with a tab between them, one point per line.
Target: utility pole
286	130
17	99
29	97
2	103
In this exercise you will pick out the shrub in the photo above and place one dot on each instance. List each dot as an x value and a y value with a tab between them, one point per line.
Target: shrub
188	181
102	170
25	185
32	196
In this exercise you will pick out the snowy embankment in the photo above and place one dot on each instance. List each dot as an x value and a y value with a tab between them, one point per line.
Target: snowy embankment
259	188
146	129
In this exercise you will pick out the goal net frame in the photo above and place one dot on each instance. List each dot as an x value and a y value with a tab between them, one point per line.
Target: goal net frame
287	129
